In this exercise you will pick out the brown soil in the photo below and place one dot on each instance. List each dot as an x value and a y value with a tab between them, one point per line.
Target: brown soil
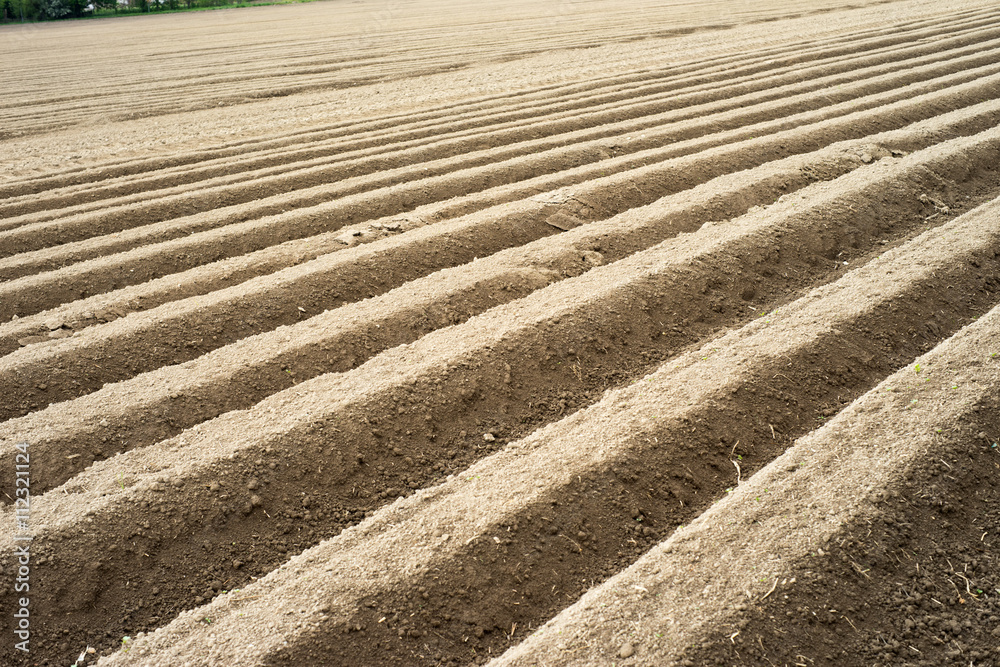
841	551
501	345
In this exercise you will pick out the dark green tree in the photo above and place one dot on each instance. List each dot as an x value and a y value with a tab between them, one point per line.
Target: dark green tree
53	9
77	8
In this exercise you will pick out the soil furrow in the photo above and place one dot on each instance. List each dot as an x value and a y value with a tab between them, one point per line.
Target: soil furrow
337	340
635	107
463	375
662	460
719	67
479	167
774	532
187	329
453	333
914	592
602	197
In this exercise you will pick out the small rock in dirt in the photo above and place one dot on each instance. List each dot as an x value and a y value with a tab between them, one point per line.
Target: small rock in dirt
393	226
866	158
255	501
626	651
60	333
564	221
347	239
488	437
31	340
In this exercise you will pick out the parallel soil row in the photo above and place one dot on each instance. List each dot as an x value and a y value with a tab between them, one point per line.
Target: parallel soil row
596	199
560	121
160	403
348	353
907	455
529	515
518	105
367	462
433	178
300	52
185	329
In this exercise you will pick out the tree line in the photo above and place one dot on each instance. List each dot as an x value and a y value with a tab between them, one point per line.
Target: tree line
18	11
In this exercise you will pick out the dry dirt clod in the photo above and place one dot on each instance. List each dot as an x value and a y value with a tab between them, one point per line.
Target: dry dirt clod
626	651
31	340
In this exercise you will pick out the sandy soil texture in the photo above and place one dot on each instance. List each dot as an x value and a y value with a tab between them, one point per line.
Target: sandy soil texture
423	333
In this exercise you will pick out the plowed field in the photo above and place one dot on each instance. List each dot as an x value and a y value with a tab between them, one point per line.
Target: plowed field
592	333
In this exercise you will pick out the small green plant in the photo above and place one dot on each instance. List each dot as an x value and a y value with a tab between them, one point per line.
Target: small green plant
917	368
125	642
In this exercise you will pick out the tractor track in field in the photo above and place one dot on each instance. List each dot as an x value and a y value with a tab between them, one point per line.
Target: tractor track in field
550	373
